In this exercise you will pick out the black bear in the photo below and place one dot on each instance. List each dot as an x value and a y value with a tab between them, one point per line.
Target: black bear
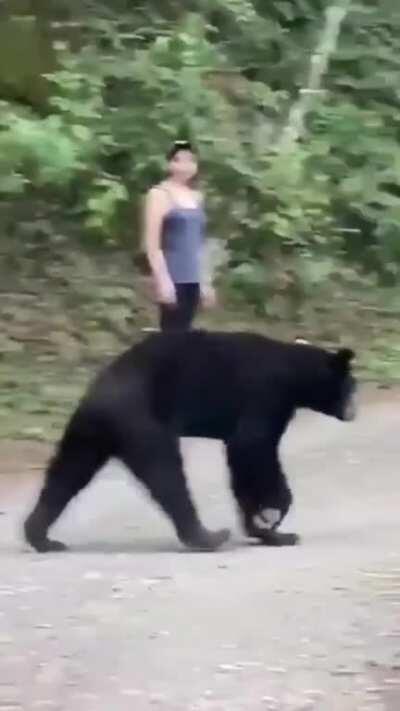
237	387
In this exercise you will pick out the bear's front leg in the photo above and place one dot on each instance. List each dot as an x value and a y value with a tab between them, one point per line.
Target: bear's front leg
260	488
263	526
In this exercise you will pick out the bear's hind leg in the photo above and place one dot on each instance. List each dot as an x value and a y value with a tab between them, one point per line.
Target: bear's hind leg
79	456
152	455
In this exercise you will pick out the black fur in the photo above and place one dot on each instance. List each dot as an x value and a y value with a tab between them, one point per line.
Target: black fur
237	387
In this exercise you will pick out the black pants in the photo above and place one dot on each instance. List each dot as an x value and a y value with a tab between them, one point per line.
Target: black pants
179	316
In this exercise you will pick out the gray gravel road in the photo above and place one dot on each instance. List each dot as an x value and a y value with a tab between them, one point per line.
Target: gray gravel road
128	621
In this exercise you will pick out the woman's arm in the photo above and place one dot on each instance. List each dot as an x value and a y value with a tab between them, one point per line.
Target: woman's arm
207	291
156	207
206	279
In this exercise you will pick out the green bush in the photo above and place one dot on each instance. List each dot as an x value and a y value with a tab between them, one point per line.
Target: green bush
226	74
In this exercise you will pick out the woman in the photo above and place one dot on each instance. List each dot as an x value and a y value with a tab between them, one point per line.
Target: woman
174	241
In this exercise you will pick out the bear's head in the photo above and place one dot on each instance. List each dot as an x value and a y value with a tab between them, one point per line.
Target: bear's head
336	386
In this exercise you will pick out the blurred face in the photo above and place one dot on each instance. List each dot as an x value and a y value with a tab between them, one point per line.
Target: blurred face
183	166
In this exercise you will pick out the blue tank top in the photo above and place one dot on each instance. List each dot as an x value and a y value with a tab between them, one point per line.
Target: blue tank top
182	243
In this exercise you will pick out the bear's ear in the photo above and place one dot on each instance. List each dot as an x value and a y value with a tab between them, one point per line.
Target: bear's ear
342	358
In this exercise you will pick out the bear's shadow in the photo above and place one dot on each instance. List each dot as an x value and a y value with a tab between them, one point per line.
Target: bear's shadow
143	546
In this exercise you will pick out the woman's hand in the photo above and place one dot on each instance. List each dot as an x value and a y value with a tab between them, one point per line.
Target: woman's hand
165	291
208	296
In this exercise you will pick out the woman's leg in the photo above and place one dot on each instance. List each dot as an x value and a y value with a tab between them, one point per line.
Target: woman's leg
188	297
179	317
168	317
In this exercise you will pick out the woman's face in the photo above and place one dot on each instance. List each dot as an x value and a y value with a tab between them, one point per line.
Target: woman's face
183	166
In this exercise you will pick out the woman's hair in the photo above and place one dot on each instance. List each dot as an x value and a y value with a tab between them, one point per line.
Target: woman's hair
179	146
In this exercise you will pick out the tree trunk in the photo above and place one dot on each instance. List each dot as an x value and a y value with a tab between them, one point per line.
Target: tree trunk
335	14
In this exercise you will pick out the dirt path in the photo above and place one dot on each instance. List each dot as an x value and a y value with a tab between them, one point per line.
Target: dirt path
128	622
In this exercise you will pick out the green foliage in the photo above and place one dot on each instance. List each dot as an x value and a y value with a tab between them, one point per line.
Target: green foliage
227	75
